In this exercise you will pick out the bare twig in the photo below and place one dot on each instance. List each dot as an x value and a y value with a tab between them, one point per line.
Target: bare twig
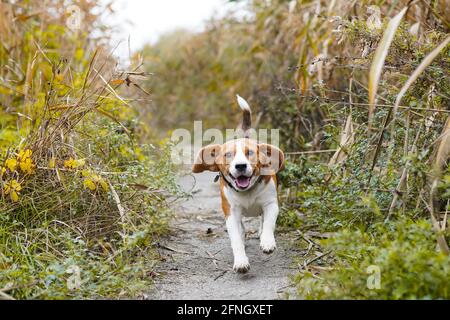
310	152
118	203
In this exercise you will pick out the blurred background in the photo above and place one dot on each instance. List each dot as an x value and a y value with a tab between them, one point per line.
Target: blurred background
146	21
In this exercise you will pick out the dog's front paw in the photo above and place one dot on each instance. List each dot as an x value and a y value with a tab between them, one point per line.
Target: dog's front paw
241	265
267	244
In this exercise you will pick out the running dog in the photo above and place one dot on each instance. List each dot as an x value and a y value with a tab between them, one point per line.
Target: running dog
248	185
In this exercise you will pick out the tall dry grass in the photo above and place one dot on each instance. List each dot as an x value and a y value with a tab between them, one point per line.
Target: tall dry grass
76	192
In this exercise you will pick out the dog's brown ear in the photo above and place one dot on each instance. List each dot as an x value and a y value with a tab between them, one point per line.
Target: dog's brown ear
271	159
206	159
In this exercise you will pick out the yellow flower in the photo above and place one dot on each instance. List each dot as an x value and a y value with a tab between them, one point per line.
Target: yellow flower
14	196
26	165
104	185
88	183
52	163
11	164
92	180
73	164
2	171
24	154
139	155
23	160
12	188
69	163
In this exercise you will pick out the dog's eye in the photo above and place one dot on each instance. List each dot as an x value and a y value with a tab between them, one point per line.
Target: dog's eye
228	155
250	153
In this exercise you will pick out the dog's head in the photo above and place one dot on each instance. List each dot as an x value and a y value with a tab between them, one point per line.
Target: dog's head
240	161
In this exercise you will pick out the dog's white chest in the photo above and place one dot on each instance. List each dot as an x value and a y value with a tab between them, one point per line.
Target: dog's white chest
252	202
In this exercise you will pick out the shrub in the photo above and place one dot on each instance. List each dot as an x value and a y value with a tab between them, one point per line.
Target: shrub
403	251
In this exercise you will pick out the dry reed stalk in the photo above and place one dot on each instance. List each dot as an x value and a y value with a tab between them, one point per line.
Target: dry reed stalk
440	161
379	57
422	66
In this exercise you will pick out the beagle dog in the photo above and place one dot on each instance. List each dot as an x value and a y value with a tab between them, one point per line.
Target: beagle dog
248	185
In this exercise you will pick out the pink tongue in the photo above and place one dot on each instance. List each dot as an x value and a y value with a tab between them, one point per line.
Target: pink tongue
243	182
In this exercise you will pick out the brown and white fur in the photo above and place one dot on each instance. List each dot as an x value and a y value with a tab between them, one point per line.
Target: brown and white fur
248	186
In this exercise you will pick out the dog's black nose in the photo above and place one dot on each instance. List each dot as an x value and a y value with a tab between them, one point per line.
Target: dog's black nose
241	166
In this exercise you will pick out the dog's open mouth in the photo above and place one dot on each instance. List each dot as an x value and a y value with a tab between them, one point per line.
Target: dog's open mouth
242	182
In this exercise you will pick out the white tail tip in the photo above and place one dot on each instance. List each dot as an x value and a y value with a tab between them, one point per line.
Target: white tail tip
242	103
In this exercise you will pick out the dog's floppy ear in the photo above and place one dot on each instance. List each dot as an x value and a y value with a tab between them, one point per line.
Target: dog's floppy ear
206	159
271	159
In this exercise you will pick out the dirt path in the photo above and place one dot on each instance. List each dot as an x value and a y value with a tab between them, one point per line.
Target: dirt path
198	258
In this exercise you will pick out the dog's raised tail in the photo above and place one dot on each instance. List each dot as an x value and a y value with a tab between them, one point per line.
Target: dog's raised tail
246	114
